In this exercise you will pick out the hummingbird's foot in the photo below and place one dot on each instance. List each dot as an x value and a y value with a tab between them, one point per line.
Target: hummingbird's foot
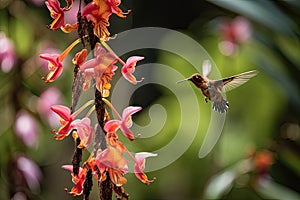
206	99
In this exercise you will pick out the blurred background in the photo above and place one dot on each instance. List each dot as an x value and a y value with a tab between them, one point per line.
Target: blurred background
258	153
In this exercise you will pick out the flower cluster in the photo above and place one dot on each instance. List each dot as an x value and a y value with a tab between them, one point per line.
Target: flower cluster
109	160
96	72
98	12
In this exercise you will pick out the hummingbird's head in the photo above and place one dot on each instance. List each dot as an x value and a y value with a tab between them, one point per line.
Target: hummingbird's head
197	79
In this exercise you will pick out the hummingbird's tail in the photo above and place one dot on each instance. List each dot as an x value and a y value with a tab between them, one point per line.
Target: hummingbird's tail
221	106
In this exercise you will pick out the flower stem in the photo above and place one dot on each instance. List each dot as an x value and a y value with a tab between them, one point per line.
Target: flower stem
107	47
67	50
82	108
90	111
112	108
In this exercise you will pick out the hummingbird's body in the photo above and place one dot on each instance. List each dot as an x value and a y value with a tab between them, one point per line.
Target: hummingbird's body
213	89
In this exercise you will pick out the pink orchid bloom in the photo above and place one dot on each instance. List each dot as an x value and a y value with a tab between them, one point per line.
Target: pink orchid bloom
51	96
99	11
57	13
233	32
77	180
124	124
46	49
101	68
54	65
31	172
88	76
84	131
115	9
129	68
99	15
66	119
112	161
7	53
139	166
80	57
26	128
103	83
55	62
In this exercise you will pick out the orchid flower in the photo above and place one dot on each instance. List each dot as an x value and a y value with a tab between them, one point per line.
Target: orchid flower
80	57
84	131
129	68
139	166
77	180
124	123
99	11
101	68
112	161
26	128
7	53
115	9
55	62
57	13
30	172
234	32
51	96
66	120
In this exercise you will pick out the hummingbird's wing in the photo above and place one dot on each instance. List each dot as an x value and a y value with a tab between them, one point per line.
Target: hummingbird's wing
232	82
206	68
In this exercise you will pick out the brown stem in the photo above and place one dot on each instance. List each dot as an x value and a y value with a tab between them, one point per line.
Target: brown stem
77	157
120	192
105	188
76	87
88	184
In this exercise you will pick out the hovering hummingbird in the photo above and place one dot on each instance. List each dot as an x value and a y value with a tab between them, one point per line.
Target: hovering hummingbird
213	89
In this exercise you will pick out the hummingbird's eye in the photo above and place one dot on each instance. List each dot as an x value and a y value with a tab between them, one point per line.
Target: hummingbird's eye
197	78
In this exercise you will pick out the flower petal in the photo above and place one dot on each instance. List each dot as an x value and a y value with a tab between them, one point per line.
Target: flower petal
140	166
63	131
52	58
56	12
127	112
112	126
129	68
84	131
54	65
54	74
63	111
141	158
112	157
77	180
80	57
127	132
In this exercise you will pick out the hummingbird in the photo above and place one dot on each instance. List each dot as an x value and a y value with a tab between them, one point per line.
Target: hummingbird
213	89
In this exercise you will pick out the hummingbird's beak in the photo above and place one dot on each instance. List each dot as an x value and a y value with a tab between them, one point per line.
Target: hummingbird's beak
182	80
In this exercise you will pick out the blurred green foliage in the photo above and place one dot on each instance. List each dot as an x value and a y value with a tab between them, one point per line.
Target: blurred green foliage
264	113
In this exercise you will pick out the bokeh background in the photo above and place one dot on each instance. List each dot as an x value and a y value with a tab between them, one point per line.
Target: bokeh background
258	153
